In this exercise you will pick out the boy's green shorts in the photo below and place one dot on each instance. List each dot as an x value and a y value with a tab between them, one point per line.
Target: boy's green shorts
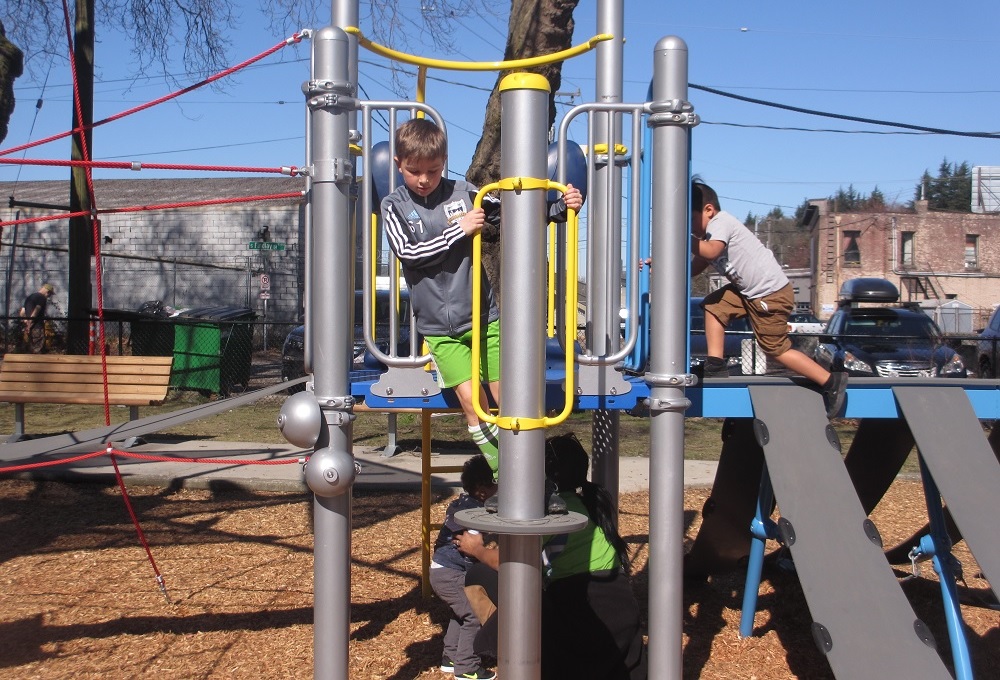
453	356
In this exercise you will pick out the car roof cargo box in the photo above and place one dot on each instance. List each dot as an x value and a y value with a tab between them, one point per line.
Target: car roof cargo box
868	290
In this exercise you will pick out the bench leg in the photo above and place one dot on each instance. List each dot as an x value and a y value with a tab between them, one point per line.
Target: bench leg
18	434
133	414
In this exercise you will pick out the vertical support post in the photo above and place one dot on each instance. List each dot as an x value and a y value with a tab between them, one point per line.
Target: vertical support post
604	233
331	470
522	370
668	375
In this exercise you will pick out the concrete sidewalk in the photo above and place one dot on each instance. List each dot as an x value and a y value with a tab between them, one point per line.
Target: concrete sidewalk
276	467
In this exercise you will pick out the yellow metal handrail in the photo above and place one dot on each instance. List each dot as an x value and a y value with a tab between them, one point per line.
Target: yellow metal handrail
516	423
449	65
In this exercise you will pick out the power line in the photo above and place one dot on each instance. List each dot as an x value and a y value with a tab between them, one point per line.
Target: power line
841	116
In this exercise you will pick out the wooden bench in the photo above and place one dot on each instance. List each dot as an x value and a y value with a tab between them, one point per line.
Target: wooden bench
133	381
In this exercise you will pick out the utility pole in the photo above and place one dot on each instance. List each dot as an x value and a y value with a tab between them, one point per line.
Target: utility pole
81	239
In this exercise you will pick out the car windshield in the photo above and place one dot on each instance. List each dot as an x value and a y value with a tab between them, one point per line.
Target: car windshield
909	326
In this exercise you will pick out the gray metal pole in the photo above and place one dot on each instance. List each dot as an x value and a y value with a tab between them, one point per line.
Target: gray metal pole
331	470
522	370
604	234
668	374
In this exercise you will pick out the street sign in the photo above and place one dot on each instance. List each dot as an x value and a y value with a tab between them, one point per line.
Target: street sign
265	282
265	245
264	295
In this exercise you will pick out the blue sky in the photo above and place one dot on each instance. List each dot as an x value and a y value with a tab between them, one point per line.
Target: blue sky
919	65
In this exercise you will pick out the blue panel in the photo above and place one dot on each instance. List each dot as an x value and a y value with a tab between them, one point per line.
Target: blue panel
728	398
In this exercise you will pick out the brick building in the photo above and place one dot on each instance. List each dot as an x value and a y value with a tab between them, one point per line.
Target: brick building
932	257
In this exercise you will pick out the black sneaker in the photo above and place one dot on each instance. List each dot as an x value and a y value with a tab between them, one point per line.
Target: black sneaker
715	370
447	665
554	504
834	394
479	673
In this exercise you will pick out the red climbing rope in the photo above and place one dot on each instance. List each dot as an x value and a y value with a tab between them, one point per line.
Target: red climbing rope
135	523
131	165
150	458
296	38
162	206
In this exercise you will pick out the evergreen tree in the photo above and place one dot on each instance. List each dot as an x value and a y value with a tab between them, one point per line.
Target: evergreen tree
951	189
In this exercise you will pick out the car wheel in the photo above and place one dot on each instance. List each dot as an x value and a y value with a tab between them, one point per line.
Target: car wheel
985	368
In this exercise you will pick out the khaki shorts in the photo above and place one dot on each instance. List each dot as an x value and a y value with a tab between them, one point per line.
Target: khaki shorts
768	315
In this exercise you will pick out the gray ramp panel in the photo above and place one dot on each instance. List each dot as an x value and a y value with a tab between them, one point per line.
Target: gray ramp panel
951	441
854	598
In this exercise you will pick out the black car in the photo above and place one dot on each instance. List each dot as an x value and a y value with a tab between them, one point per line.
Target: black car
293	350
888	340
988	347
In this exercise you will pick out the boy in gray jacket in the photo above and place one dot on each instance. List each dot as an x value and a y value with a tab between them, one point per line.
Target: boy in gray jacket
429	222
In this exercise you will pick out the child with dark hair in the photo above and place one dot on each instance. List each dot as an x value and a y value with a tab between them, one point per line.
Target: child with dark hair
447	574
758	289
590	617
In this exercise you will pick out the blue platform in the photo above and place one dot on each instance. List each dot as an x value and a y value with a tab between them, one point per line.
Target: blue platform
718	397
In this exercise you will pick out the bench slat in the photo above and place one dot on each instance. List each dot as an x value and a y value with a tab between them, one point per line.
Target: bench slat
130	400
83	378
62	388
50	359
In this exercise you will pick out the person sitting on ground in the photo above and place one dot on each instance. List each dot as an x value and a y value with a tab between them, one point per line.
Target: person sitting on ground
429	223
590	616
758	289
448	570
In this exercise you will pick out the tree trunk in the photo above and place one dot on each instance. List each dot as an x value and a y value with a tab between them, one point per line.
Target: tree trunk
536	27
11	67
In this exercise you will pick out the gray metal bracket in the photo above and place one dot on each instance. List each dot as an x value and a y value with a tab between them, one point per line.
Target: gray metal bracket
400	383
601	380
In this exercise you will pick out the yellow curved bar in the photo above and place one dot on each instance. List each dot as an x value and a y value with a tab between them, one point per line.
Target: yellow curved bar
477	288
572	285
572	230
562	55
550	305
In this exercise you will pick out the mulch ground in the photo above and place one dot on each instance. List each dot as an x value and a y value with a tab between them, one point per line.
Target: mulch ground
80	599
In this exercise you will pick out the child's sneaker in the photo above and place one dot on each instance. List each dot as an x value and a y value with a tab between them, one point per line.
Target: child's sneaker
447	665
479	673
834	392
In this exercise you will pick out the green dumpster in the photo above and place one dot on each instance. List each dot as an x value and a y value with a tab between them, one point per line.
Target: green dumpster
213	348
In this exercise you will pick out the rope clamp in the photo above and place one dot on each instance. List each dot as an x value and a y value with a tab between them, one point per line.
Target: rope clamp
136	166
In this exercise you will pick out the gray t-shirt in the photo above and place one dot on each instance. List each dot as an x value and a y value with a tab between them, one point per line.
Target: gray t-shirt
745	261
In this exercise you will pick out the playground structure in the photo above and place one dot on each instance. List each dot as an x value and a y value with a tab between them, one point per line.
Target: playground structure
778	440
837	551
